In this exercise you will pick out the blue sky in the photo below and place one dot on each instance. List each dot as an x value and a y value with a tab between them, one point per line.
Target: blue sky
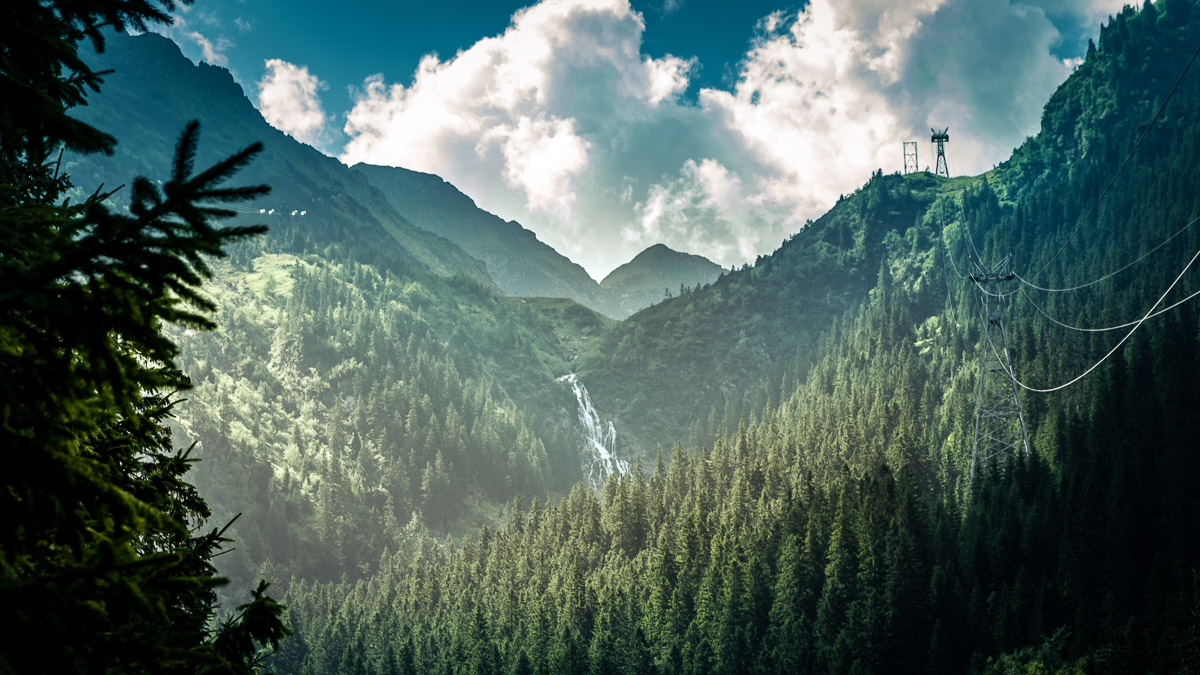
348	41
607	126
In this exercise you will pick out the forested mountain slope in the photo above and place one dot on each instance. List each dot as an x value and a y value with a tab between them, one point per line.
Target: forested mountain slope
366	373
336	403
682	369
837	533
731	346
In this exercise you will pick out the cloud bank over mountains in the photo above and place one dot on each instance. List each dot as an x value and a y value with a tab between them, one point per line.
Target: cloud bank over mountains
525	107
288	99
564	123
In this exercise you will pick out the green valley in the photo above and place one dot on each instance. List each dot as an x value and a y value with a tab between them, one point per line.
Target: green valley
448	449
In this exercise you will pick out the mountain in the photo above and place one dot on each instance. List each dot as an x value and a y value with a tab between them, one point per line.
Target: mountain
654	273
349	307
740	342
383	216
520	263
368	373
339	402
815	506
836	525
517	260
154	91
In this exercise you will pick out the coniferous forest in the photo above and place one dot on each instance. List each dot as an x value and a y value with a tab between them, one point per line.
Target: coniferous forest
336	443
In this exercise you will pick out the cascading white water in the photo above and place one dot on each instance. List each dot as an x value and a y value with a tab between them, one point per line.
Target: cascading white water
600	450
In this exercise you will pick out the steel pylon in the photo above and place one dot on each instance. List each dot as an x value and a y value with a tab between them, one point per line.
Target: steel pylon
941	138
1000	433
910	157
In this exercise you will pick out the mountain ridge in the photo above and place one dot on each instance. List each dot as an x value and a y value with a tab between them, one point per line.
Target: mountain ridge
734	343
521	264
154	90
836	524
384	215
519	261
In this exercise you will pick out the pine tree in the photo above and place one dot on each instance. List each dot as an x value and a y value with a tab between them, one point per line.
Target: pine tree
788	635
97	552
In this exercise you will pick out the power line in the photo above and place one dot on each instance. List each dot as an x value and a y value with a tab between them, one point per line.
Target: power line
1111	351
951	301
962	212
1110	274
963	216
946	249
941	225
1128	157
998	295
1164	310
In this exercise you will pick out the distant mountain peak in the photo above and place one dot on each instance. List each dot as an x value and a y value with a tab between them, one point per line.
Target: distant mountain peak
520	263
643	280
661	254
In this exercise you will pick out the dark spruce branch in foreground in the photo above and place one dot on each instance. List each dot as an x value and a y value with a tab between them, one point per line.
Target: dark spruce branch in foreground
103	565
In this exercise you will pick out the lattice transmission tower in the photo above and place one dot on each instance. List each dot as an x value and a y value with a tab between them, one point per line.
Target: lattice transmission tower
910	156
999	423
941	138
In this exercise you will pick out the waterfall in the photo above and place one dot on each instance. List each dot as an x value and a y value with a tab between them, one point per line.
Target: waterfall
600	451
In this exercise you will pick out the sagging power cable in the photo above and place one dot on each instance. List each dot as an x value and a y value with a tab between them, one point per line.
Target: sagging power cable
1112	351
1164	310
1110	274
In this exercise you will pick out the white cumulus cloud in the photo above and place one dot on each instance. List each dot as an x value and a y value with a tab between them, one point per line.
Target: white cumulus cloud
520	105
827	94
544	158
564	123
705	207
289	99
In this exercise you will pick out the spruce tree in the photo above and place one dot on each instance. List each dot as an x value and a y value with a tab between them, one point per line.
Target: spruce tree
101	552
